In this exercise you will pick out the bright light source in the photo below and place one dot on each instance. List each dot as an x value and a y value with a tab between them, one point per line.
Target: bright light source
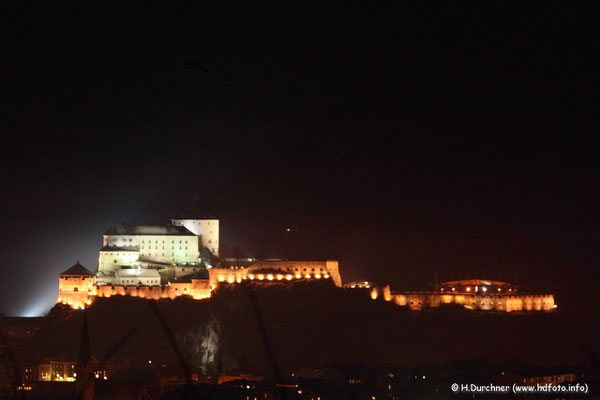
484	289
468	289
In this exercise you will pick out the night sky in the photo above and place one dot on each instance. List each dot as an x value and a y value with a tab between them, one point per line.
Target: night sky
402	141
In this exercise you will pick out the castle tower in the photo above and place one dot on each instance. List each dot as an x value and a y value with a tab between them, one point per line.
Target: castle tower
201	224
75	286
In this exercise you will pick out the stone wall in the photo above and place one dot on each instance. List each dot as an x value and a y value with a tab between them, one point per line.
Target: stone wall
261	271
493	302
278	270
197	289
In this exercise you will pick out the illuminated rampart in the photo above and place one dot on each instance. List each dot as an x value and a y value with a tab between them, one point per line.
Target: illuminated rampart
481	300
79	291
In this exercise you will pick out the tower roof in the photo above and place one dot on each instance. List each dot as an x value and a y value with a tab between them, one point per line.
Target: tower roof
123	229
77	269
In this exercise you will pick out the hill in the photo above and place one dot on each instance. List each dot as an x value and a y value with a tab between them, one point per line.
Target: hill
310	325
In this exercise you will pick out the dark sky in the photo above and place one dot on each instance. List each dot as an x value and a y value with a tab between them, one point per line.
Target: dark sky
401	141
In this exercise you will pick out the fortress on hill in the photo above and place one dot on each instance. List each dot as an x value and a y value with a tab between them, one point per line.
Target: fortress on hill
182	259
178	259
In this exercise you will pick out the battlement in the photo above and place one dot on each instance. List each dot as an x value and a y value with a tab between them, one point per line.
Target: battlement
484	300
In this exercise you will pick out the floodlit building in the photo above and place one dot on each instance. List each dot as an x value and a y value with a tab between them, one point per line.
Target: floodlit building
146	246
206	229
50	370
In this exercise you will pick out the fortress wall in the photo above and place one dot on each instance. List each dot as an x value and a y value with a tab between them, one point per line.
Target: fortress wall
418	301
78	291
144	291
415	302
179	289
198	289
400	299
179	271
375	293
333	267
387	294
220	275
201	289
155	292
74	299
280	271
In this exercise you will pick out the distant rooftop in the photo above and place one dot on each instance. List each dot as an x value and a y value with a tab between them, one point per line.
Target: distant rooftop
77	269
123	229
475	282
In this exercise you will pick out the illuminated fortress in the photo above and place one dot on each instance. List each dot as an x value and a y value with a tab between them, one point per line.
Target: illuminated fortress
167	261
181	259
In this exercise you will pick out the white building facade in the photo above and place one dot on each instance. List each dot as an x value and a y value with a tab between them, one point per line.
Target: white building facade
149	246
206	229
137	277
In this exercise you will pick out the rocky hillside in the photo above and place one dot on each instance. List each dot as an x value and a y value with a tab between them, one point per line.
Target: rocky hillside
309	325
